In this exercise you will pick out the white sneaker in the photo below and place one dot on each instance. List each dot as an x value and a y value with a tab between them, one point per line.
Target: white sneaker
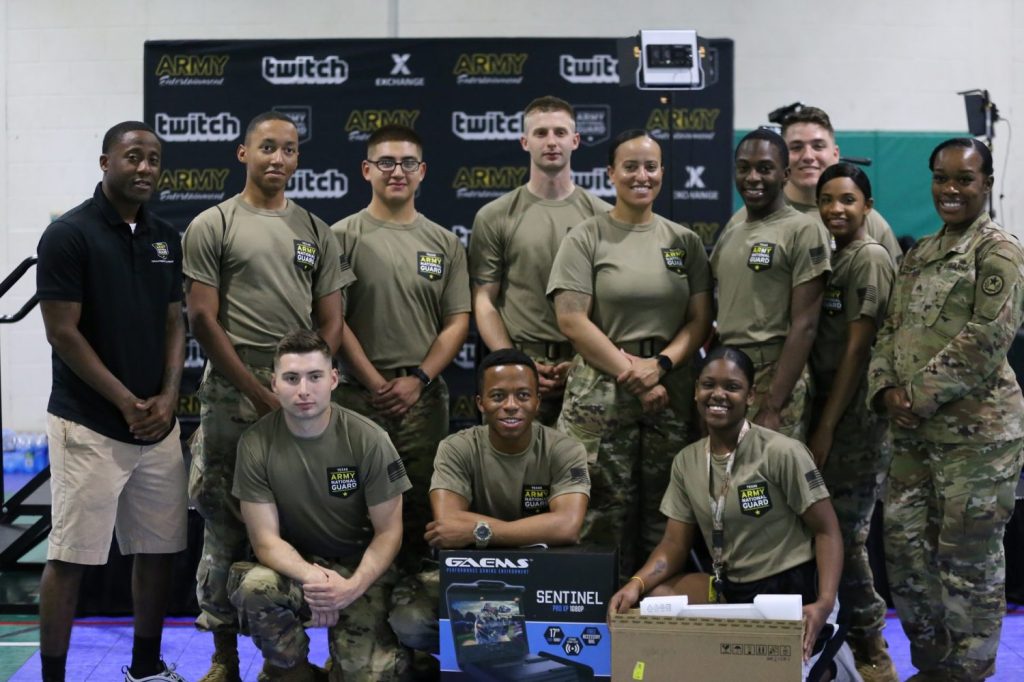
168	675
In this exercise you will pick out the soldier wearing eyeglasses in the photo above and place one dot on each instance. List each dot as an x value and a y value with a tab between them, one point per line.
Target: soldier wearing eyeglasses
406	317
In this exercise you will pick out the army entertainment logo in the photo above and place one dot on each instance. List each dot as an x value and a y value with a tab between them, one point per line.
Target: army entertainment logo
342	481
694	187
305	70
595	181
401	75
191	69
754	498
362	122
492	125
305	255
486	182
302	117
307	183
430	265
675	259
593	123
760	257
599	68
163	252
490	68
196	126
192	184
684	124
833	301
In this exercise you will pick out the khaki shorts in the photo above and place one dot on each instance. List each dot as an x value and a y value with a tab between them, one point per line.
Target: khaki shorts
100	484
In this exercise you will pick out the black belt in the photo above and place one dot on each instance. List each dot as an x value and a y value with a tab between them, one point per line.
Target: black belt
645	348
554	351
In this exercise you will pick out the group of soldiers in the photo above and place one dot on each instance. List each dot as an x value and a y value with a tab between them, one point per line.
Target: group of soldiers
342	508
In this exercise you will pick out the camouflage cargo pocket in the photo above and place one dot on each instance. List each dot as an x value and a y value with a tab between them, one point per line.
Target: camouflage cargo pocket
589	408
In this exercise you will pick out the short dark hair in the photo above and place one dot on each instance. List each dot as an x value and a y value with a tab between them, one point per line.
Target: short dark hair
733	355
394	133
264	117
967	143
299	342
548	103
623	137
768	136
845	170
116	132
809	115
500	358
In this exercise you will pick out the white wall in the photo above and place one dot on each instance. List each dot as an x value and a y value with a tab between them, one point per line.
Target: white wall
71	68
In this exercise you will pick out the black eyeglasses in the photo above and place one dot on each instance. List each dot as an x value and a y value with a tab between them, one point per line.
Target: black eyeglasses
387	164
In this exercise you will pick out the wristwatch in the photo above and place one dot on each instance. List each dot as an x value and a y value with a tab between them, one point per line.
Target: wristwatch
664	362
482	534
422	376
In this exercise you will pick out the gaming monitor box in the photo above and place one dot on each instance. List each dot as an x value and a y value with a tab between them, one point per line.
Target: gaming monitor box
526	615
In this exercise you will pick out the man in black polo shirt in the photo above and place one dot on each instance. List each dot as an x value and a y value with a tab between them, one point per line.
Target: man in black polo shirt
109	285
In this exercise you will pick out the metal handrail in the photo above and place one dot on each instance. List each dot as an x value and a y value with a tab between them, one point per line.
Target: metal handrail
9	282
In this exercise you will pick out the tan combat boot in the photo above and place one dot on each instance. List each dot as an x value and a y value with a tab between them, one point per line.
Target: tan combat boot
224	663
873	662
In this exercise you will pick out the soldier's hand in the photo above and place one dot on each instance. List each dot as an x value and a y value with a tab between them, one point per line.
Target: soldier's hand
323	618
334	593
768	418
820	444
547	379
643	375
815	615
655	400
623	600
449	533
159	411
264	402
398	395
897	406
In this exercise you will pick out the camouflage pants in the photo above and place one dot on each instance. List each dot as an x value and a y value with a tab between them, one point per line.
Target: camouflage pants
629	456
945	513
796	411
225	414
854	473
272	610
551	406
416	436
414	604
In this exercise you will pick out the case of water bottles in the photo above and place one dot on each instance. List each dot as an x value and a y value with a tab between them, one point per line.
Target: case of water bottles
24	453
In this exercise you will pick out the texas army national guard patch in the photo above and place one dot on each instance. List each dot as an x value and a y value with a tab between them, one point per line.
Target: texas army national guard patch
342	481
535	499
305	255
754	498
992	285
760	257
430	265
675	259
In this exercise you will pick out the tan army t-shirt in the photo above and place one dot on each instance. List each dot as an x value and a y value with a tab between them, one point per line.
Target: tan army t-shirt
514	241
757	265
641	277
268	266
409	278
509	487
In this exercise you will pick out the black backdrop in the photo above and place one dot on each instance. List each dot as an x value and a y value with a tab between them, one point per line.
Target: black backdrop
464	97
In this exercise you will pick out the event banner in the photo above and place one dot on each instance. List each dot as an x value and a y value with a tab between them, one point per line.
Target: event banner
463	96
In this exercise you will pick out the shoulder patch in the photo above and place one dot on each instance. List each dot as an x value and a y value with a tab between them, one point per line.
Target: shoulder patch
396	470
817	254
814	479
992	285
579	475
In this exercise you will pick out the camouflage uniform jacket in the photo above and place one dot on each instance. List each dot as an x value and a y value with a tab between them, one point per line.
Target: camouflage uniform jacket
954	312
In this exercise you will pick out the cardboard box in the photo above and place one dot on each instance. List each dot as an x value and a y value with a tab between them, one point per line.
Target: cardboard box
658	649
526	614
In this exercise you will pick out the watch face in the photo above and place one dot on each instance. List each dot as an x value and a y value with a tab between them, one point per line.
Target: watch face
482	532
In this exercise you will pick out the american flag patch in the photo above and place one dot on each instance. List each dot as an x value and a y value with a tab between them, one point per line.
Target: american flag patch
346	264
817	254
396	470
870	294
578	475
814	479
